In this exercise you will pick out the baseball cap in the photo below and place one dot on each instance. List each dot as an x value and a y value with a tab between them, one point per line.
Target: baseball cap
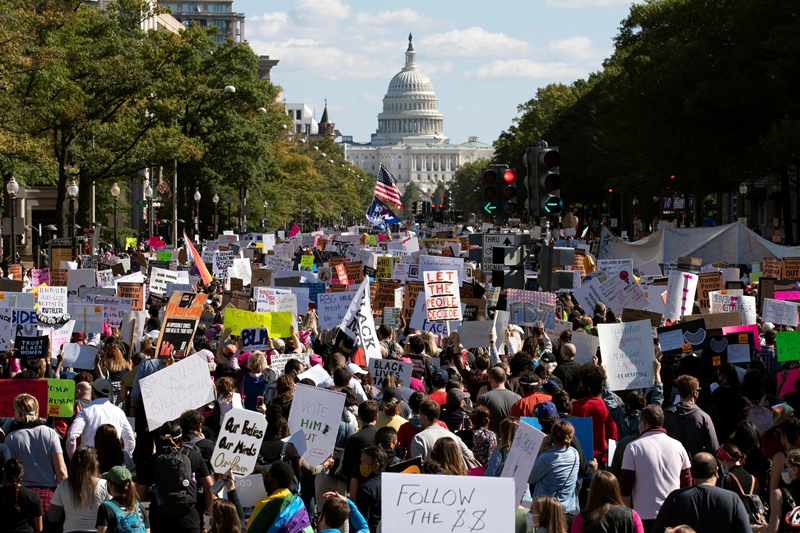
550	386
456	395
102	386
391	395
119	475
546	410
547	357
442	374
767	326
355	369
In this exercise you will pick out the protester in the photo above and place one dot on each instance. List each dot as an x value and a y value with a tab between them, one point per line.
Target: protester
123	506
280	506
77	499
555	472
423	442
546	516
483	439
604	510
499	399
368	498
21	507
498	456
688	423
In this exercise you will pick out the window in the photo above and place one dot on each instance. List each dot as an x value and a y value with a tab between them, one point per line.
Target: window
299	114
761	209
399	166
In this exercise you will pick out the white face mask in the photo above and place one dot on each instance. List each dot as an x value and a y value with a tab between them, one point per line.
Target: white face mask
207	523
531	519
786	477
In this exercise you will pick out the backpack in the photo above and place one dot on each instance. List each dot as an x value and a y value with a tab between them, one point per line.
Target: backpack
175	489
759	415
264	466
130	522
752	504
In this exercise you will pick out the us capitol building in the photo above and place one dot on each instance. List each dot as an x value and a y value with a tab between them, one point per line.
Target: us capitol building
410	140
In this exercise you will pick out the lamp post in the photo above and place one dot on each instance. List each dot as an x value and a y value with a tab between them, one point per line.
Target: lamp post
13	188
196	213
215	200
148	194
72	194
115	195
266	205
743	193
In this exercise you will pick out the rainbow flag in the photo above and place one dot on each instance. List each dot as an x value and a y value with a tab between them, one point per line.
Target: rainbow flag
205	275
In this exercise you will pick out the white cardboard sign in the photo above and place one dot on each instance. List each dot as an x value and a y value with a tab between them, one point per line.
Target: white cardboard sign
389	367
780	312
238	442
521	457
317	412
681	289
180	387
628	354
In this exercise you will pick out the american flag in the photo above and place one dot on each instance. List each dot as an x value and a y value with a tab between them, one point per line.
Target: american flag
163	189
386	190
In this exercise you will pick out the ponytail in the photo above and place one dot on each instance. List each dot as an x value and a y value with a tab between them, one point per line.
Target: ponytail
13	472
127	494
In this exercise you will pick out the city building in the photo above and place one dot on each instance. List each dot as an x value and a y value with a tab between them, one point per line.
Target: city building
410	140
217	13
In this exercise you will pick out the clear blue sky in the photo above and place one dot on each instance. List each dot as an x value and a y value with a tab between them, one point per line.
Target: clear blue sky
483	58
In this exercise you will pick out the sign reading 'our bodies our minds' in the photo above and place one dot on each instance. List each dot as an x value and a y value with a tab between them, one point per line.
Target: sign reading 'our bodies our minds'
317	413
239	442
628	353
442	295
452	504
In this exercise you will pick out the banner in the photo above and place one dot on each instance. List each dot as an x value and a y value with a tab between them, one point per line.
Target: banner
359	325
628	354
177	388
239	442
316	412
442	297
446	504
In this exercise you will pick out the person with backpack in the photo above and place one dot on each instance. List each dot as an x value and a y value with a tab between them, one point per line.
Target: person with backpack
281	508
122	513
784	508
170	480
734	477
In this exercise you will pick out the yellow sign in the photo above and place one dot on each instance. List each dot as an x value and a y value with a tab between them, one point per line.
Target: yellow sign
384	267
307	262
276	322
130	242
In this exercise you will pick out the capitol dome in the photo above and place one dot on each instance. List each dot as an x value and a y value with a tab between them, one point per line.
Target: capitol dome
410	108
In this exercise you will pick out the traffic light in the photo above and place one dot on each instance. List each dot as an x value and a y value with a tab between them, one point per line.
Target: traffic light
414	208
549	181
491	184
508	196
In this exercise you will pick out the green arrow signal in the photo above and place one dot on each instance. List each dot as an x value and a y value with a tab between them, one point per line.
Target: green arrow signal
489	207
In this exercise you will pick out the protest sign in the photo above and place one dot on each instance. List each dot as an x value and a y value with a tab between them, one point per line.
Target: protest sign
88	317
521	457
80	356
585	347
61	397
177	388
434	263
32	347
790	268
475	334
384	267
25	322
114	307
681	289
40	276
442	298
277	361
690	335
787	345
159	278
316	373
445	504
58	278
105	278
255	339
787	384
739	347
379	368
17	299
185	305
331	308
7	330
419	320
628	354
391	316
707	283
261	277
388	294
316	412
412	290
11	388
238	442
132	328
613	267
779	312
359	325
59	336
278	323
717	320
134	291
80	278
175	337
52	301
632	315
250	490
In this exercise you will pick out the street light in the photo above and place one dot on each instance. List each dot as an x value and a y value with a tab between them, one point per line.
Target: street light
115	195
743	193
197	209
215	200
743	188
13	188
148	194
266	205
72	194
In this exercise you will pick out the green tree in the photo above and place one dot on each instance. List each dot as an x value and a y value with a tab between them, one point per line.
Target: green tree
410	195
438	194
467	188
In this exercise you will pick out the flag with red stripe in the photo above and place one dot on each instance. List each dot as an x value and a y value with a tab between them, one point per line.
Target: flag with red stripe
386	190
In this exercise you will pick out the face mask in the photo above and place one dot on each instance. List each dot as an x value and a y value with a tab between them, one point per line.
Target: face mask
724	471
207	523
551	367
531	519
786	477
366	470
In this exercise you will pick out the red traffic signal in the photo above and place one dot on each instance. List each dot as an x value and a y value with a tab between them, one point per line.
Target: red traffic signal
549	158
509	175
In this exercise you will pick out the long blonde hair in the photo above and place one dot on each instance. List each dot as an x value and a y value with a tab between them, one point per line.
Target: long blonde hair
26	408
551	514
113	359
508	430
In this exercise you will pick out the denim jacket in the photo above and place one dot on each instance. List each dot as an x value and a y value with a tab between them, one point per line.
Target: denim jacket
555	473
628	423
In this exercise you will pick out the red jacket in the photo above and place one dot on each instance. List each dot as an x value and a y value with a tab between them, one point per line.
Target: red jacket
603	426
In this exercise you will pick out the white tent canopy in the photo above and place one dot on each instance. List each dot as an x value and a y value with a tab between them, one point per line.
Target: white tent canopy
734	243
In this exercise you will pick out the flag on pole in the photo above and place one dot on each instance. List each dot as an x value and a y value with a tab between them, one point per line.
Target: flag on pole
386	190
205	275
380	214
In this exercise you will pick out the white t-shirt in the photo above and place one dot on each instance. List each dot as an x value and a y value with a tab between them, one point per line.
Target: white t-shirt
85	518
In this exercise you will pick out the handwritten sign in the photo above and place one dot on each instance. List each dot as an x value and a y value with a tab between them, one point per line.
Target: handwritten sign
177	388
160	277
11	388
40	276
779	312
114	308
238	442
278	323
442	297
681	289
52	301
522	456
255	339
787	345
134	291
446	504
379	368
628	353
61	397
316	412
331	308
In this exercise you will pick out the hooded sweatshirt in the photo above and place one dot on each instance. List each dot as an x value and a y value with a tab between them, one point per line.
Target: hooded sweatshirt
691	426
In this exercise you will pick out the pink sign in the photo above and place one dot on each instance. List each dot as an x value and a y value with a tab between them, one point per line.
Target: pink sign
788	385
744	329
787	295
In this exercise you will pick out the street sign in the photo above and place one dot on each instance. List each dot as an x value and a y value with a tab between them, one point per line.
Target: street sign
489	242
141	202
